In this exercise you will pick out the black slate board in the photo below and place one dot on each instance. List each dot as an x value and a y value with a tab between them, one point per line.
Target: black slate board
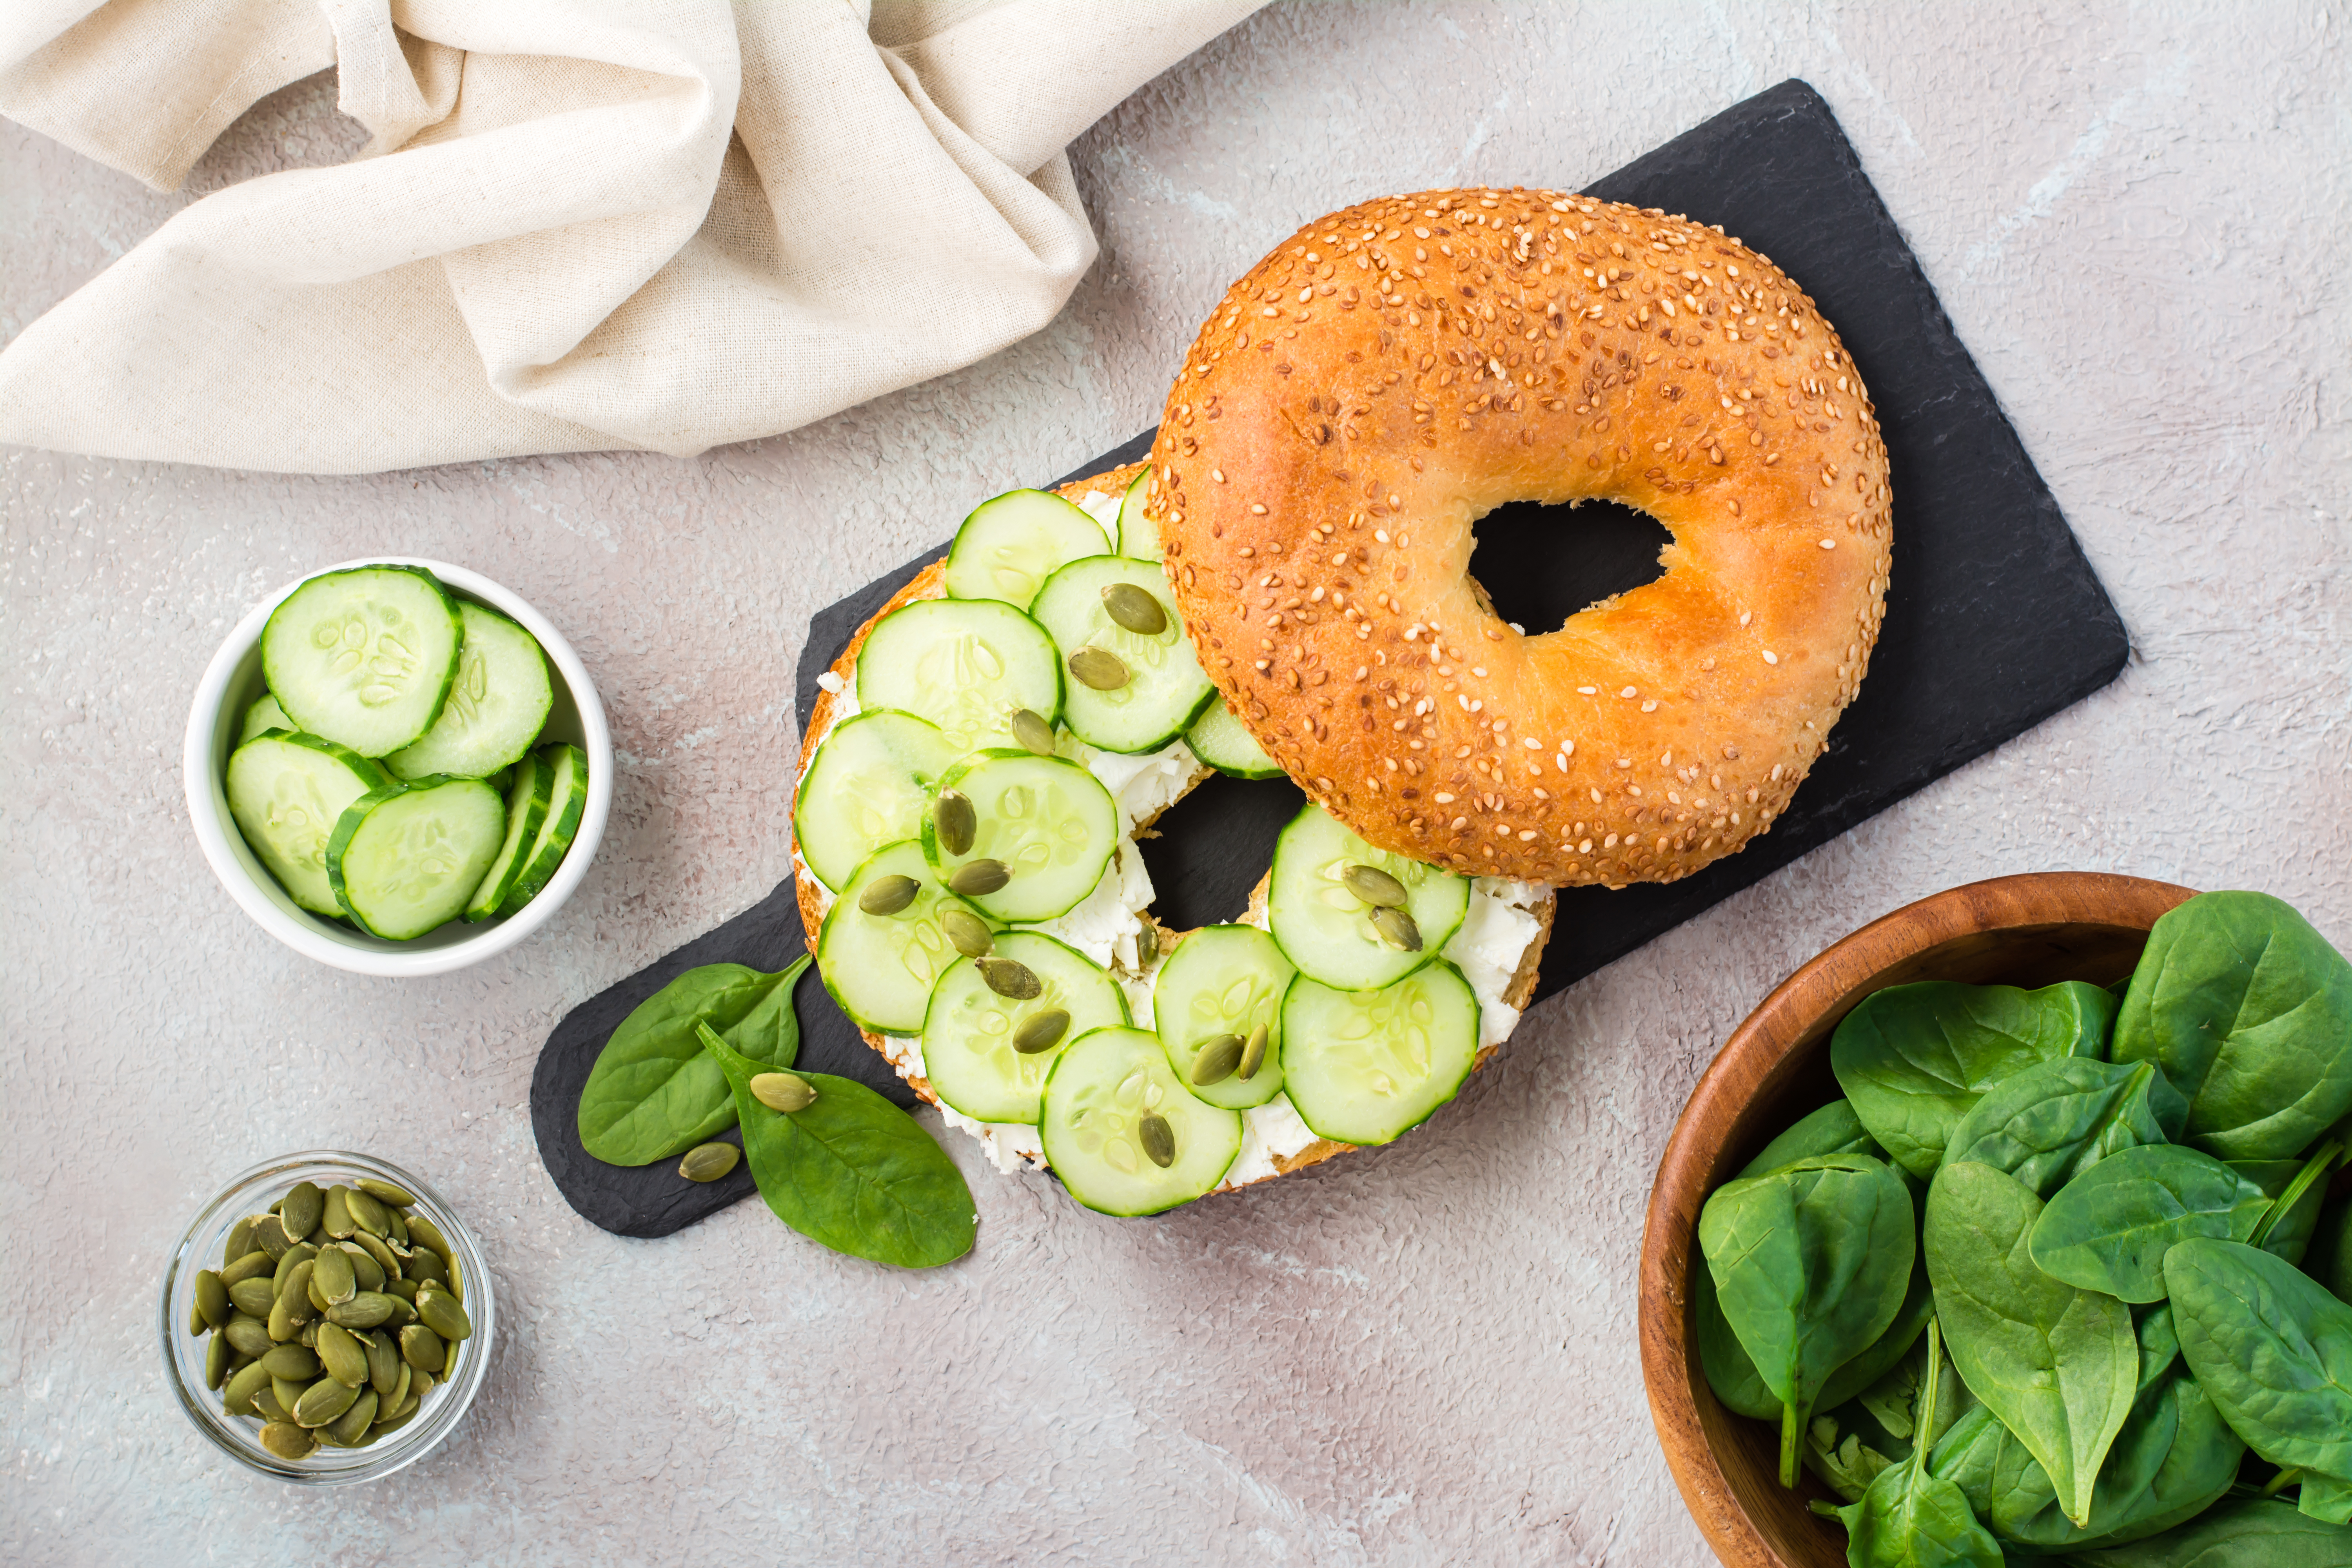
1994	621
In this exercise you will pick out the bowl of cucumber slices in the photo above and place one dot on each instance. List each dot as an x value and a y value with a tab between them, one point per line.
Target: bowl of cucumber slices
397	766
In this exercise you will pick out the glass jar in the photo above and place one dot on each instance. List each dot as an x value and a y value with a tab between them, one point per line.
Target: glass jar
199	1247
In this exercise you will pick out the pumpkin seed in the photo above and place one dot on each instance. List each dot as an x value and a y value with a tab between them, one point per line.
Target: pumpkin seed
296	1256
288	1441
1147	946
1134	608
399	1197
391	1399
1397	928
323	1402
214	1303
1034	735
422	1383
421	1348
396	1227
1159	1139
351	1425
283	1324
1041	1031
366	1213
217	1356
364	1311
239	1392
291	1363
365	1267
430	1264
978	878
303	1205
341	1355
315	1295
1099	669
333	1277
309	1338
288	1391
403	1288
198	1327
889	895
953	821
1216	1059
239	1242
248	1335
423	1232
967	933
1008	977
266	1405
252	1297
383	1359
401	1315
256	1262
335	1219
270	1235
784	1092
396	1421
1374	886
703	1163
1253	1054
445	1315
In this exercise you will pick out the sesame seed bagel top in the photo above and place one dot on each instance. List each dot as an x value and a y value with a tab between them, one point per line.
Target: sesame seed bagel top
1396	370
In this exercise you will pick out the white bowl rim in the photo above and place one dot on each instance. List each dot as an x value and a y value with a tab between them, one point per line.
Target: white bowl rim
369	955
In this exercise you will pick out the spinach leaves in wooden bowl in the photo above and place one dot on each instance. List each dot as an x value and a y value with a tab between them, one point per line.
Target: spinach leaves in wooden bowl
2044	1281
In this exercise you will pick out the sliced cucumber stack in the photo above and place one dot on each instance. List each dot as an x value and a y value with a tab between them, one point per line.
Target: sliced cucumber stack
405	857
1352	916
1124	1136
363	657
1134	685
881	964
1009	546
1363	1067
567	799
287	792
870	785
988	1054
1138	536
264	716
499	702
529	796
1223	741
1020	837
1216	992
966	665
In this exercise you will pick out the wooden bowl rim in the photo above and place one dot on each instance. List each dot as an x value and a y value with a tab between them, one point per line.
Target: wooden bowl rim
1783	1024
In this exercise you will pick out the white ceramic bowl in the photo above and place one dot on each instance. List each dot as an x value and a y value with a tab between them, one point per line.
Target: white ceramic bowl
232	683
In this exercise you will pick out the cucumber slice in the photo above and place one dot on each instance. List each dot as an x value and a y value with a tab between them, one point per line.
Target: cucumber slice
1164	690
567	799
405	857
1326	931
1222	980
1219	740
1100	1090
1363	1067
1050	824
1138	536
528	799
968	1029
965	665
499	702
1009	546
870	785
363	657
881	968
287	792
263	717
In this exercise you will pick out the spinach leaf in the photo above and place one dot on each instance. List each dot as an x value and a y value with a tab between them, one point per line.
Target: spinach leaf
2240	1532
851	1170
2329	1257
2159	1343
2272	1348
1912	1518
2110	1228
770	1034
1914	1058
1856	1439
1729	1370
2323	1497
2056	1119
2292	1232
2249	1011
1834	1129
2286	1230
653	1093
1811	1265
2058	1365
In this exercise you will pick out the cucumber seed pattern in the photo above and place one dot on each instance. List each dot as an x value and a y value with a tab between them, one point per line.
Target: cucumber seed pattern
960	677
1111	1124
299	822
1381	1039
371	659
1033	828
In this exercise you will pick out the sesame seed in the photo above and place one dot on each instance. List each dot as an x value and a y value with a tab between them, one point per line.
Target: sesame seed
1627	692
1771	658
1530	742
1442	798
1651	706
1257	509
1218	475
1588	690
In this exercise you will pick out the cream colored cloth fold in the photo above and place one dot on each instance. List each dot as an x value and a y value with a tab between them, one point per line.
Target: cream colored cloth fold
578	224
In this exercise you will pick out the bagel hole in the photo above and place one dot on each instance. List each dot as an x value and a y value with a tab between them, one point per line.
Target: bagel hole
1214	846
1540	565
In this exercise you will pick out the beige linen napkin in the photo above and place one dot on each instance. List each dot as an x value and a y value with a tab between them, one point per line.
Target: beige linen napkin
579	225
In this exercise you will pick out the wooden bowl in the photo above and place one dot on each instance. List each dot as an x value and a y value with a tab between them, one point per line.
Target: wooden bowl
2028	931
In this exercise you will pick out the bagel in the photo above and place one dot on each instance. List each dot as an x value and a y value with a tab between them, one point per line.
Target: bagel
1394	371
1274	1154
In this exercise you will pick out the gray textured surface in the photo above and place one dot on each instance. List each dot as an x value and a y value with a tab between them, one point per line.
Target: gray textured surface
1422	1354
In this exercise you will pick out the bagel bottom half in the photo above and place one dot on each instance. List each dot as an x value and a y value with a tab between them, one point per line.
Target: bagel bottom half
1291	1148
